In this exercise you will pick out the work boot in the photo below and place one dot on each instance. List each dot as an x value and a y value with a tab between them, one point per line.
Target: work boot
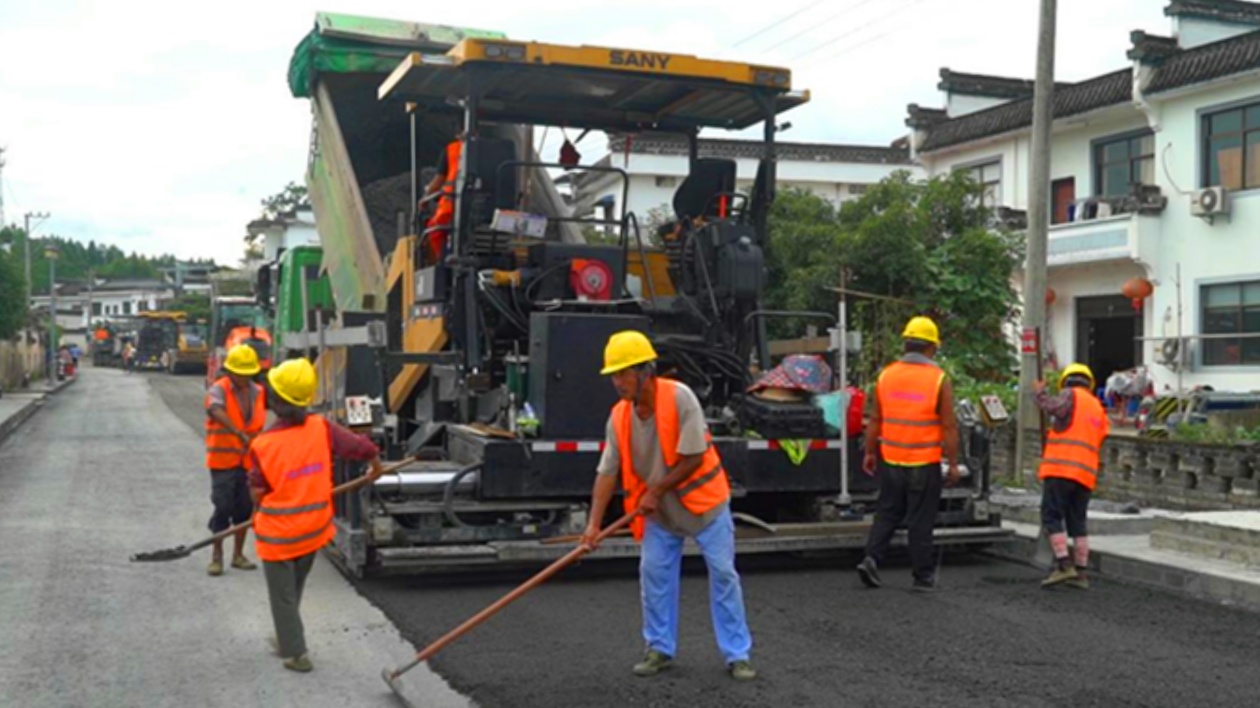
653	663
1080	582
1059	575
215	569
742	670
923	586
243	563
301	664
868	571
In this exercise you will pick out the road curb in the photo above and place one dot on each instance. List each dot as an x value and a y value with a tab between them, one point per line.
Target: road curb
1220	588
11	425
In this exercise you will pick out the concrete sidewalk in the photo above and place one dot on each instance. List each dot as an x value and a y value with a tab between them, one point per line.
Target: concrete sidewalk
17	406
1132	558
108	472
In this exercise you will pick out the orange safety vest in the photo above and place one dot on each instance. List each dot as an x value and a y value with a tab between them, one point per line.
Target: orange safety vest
910	431
446	205
296	517
225	451
1073	453
702	491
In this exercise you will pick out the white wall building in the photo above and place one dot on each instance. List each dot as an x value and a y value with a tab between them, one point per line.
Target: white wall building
289	231
657	164
110	299
1132	153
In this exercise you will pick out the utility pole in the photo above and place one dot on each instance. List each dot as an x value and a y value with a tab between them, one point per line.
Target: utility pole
26	229
1029	418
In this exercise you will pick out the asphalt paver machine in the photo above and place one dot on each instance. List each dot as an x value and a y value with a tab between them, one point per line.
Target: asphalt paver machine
486	361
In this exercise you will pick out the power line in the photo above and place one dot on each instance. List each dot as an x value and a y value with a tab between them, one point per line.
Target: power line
776	23
857	29
854	47
816	25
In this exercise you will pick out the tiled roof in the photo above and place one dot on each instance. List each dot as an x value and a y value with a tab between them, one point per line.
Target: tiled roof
1207	62
1072	99
1226	10
665	144
984	85
1172	70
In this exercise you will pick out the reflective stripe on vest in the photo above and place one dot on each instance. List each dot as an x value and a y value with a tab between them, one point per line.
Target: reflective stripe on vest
910	431
1074	453
225	451
703	490
295	517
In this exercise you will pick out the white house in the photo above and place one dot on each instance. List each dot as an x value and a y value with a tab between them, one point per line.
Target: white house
1137	157
656	164
110	299
294	229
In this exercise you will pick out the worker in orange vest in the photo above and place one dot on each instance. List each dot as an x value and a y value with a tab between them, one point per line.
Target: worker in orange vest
1069	470
438	228
912	426
658	445
291	482
235	413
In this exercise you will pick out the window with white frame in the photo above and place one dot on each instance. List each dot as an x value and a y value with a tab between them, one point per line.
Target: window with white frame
988	176
1231	308
1231	148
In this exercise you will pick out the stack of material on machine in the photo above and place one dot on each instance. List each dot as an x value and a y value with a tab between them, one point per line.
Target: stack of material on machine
780	406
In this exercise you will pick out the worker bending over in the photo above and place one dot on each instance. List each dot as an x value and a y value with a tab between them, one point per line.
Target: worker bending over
658	443
291	480
1069	470
912	424
235	413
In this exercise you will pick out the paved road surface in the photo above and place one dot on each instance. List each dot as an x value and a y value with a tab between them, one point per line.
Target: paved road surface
991	638
103	471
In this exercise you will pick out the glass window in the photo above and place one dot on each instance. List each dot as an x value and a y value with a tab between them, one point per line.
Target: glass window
126	308
989	177
1121	163
1231	148
1231	308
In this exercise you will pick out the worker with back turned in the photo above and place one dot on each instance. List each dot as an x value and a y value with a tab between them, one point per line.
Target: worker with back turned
912	427
658	445
1069	470
291	481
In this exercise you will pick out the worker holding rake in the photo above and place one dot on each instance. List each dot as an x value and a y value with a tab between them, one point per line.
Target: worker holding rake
660	447
291	481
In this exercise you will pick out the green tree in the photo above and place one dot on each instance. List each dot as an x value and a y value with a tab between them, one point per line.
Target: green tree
926	247
12	293
197	305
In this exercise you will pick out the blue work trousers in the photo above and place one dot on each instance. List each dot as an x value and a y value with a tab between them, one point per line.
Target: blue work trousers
660	579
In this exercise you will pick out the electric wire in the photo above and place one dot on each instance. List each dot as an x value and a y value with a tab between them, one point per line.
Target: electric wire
817	25
857	29
776	23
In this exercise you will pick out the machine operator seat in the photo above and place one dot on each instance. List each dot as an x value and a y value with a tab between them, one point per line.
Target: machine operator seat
699	194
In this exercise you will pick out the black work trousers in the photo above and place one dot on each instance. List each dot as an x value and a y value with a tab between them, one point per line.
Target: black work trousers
909	497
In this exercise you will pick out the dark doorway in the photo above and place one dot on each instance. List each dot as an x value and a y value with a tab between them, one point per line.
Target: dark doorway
1063	193
1107	331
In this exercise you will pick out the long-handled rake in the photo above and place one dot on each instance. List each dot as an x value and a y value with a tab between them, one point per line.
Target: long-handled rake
391	676
169	554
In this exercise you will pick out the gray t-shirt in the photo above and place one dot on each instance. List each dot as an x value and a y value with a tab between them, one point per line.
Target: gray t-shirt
244	399
649	460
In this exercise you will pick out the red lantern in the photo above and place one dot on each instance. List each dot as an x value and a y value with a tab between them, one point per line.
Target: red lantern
1137	290
1051	296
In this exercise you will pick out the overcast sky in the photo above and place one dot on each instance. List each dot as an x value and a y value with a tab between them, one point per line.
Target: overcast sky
159	128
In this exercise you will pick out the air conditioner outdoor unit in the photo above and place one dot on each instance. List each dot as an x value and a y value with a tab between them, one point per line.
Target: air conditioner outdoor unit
1176	354
1210	201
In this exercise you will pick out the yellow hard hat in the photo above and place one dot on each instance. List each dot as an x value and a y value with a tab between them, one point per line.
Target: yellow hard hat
294	381
922	328
627	349
242	360
1077	369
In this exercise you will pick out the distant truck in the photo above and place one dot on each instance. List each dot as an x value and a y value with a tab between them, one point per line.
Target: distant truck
236	319
157	334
